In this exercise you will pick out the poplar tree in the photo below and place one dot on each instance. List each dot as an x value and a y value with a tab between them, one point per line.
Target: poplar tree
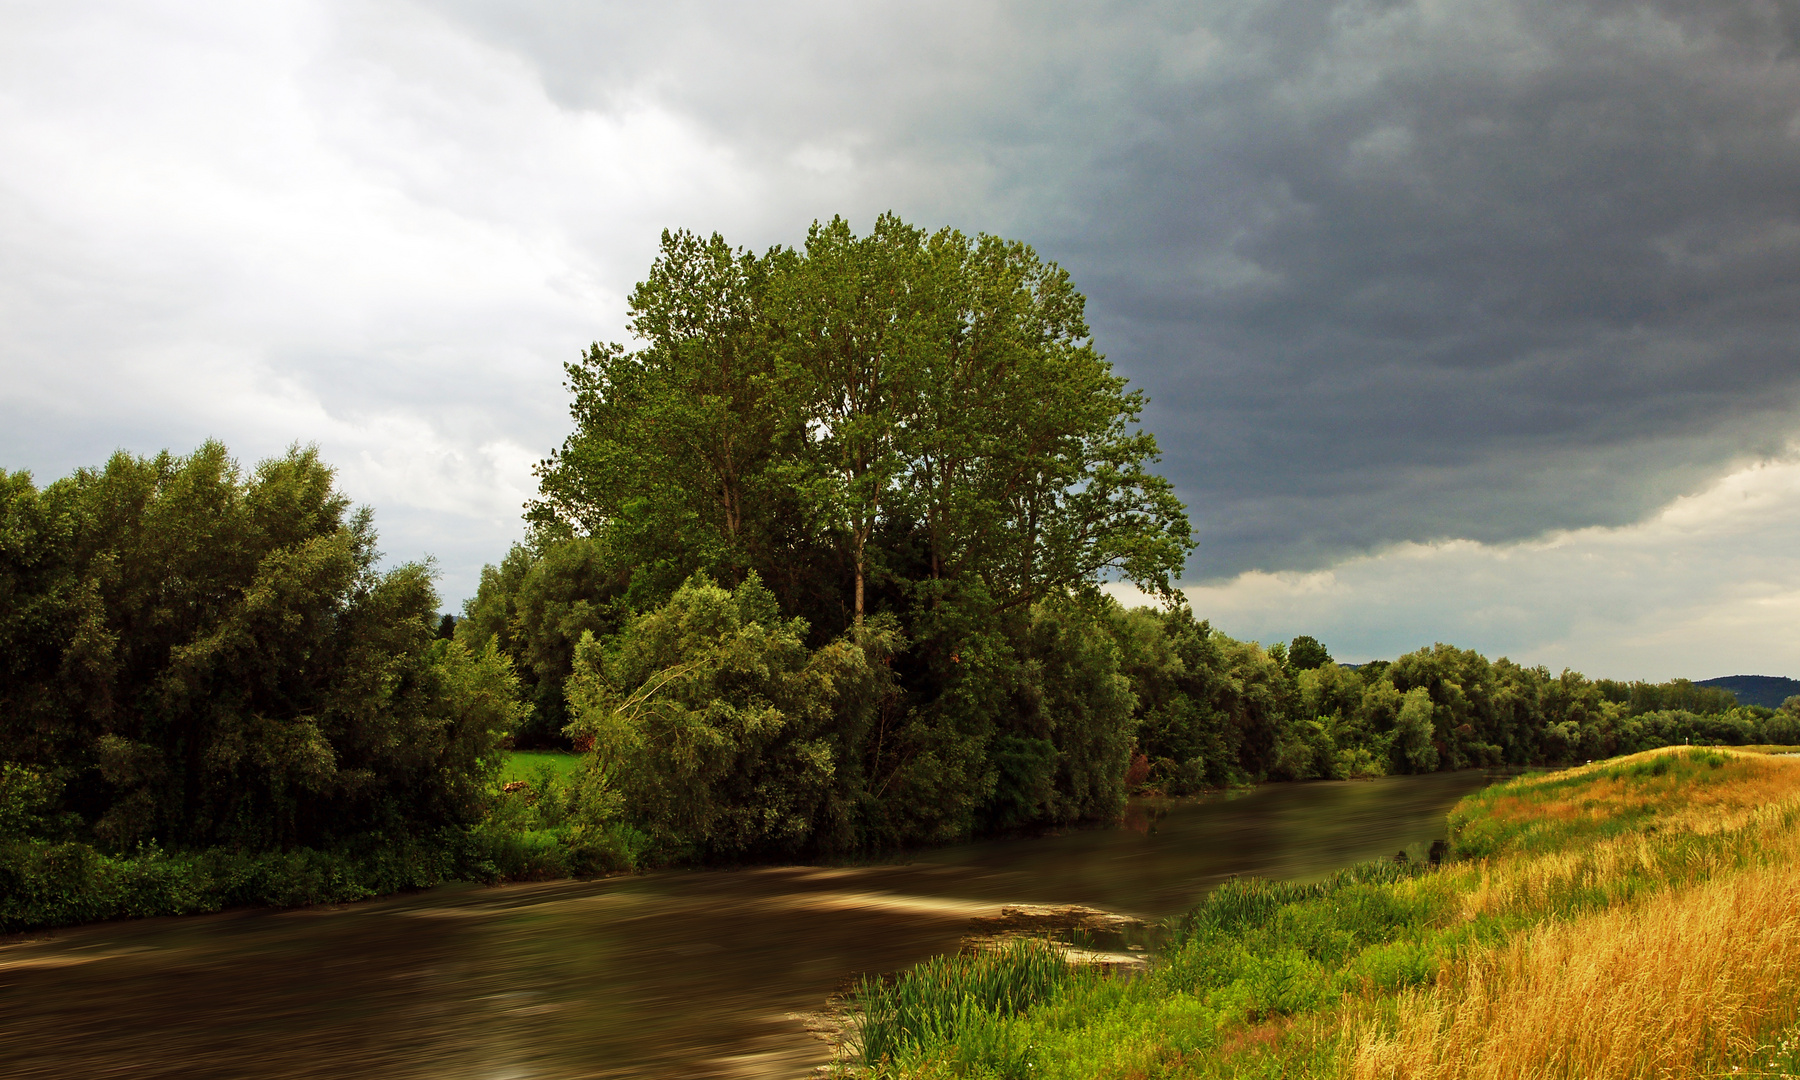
924	412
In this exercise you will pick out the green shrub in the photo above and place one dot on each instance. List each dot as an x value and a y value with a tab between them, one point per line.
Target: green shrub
61	883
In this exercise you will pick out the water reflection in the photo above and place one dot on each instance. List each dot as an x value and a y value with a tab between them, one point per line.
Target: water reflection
698	973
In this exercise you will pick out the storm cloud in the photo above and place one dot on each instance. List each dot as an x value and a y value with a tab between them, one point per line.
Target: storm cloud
1390	273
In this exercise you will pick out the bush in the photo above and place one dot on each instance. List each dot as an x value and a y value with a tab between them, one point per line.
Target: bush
47	884
207	657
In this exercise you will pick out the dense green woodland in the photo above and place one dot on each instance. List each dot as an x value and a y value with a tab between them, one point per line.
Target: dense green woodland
820	571
197	659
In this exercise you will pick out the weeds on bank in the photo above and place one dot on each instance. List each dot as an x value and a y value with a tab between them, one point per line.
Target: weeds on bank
1634	918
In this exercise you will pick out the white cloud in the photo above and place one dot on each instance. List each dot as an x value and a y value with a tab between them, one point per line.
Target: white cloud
1708	586
352	225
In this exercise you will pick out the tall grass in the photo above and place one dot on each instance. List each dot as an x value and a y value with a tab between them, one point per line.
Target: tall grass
1635	918
1680	981
947	996
1681	984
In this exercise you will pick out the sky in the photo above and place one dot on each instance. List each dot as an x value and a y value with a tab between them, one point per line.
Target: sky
1473	321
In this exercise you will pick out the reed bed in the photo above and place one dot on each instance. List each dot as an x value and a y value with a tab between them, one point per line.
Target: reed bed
1632	918
947	996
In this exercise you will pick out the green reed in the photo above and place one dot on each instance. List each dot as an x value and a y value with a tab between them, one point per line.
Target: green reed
939	998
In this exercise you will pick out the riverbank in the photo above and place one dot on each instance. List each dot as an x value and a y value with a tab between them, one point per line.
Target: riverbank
695	973
534	831
1635	917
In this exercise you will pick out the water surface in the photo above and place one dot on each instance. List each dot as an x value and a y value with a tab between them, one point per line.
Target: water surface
685	973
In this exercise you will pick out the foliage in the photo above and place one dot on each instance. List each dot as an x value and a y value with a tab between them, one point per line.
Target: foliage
908	441
534	607
194	656
1213	711
46	883
908	445
723	733
923	413
1305	653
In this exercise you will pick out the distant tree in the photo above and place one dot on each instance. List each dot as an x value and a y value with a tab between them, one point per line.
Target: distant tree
1783	728
1306	653
446	630
535	606
1413	733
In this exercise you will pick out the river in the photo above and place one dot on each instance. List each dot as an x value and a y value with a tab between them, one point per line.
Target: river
706	973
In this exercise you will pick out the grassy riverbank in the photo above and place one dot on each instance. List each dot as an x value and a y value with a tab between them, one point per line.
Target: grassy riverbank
1635	917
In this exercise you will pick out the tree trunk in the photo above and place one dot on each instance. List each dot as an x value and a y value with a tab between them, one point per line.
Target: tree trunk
859	577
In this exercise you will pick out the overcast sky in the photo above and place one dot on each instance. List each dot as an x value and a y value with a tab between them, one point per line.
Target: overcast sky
1462	320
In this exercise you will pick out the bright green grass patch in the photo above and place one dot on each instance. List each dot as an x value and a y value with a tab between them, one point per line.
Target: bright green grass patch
524	764
949	998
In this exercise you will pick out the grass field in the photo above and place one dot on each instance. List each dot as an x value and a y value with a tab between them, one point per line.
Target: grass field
1638	917
522	764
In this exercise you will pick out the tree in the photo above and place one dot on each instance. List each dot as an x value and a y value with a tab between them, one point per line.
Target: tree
902	436
672	460
203	657
924	410
724	734
1413	732
1306	653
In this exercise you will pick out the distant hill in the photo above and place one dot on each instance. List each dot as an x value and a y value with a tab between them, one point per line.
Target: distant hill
1768	691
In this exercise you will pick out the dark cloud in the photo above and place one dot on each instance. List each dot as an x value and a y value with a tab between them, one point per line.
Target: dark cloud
1388	270
1467	268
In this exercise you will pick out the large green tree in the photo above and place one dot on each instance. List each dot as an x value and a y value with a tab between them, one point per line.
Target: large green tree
202	656
905	436
925	412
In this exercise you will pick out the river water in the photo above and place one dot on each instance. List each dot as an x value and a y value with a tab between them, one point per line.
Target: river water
689	973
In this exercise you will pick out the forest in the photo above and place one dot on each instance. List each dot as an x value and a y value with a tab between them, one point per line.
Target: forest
821	571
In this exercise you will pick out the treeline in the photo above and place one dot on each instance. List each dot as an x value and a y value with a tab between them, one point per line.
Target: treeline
1213	711
720	733
820	570
194	658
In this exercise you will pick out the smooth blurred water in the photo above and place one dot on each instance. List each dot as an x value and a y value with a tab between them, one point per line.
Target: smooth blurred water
687	973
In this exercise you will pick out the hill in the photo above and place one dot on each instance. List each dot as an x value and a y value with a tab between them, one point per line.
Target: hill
1769	691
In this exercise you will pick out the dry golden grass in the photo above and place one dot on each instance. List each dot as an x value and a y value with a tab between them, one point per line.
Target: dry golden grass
1679	982
1756	797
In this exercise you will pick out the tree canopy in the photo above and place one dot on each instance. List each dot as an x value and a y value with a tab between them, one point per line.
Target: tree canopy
882	422
195	655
